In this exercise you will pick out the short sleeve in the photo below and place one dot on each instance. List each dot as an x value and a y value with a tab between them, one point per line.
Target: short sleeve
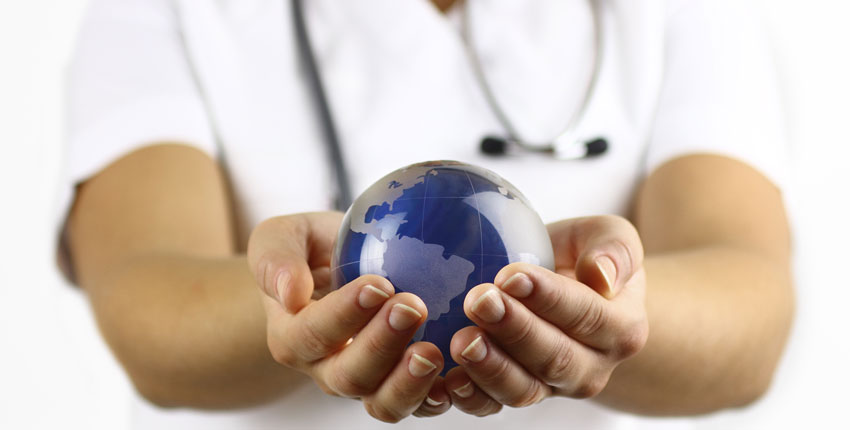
720	92
129	84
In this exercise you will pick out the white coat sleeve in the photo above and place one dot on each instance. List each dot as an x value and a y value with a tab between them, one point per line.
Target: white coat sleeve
720	91
128	85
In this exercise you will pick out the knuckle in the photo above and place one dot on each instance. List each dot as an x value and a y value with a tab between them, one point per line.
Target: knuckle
489	408
589	388
280	353
271	223
264	275
348	385
590	320
520	335
313	344
282	223
631	244
628	241
559	367
499	372
326	388
626	256
618	221
632	340
376	348
255	233
282	356
382	412
264	228
551	300
531	395
481	409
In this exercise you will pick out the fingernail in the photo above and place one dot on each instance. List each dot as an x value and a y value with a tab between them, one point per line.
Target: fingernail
475	351
519	285
465	391
402	317
420	366
489	307
370	296
432	402
609	271
280	285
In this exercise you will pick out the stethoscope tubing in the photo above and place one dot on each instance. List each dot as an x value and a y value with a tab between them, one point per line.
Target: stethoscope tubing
320	99
568	135
563	146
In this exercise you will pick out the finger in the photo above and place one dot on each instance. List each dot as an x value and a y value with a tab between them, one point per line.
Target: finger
407	386
436	402
282	250
617	325
569	305
360	367
326	325
496	373
536	345
467	397
605	251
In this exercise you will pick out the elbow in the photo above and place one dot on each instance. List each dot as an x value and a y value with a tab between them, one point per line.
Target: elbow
748	394
752	392
771	346
155	394
172	393
157	366
170	386
161	383
170	383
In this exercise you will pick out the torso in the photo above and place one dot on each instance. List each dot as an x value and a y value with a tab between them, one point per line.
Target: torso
402	91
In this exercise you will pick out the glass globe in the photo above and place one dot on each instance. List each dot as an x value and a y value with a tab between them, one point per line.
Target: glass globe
437	229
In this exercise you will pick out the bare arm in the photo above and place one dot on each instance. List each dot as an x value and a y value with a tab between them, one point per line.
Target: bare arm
152	239
719	293
695	323
153	247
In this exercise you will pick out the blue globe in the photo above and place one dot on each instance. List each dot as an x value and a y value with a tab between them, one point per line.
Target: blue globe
437	229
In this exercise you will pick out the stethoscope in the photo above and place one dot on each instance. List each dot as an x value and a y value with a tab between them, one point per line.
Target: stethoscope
565	146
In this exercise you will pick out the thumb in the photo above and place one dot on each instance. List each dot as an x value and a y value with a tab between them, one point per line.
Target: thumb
280	251
609	252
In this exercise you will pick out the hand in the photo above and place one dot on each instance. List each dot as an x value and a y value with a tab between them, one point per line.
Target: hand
351	341
543	333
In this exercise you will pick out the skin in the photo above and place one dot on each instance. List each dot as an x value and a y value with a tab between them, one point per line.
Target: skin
718	294
179	304
152	242
688	314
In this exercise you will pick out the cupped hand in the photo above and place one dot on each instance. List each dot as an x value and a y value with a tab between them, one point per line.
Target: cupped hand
351	341
542	333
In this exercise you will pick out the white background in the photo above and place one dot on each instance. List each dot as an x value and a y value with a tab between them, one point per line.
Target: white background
56	373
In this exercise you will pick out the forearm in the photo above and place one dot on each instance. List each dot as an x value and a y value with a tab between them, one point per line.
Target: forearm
189	331
719	318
